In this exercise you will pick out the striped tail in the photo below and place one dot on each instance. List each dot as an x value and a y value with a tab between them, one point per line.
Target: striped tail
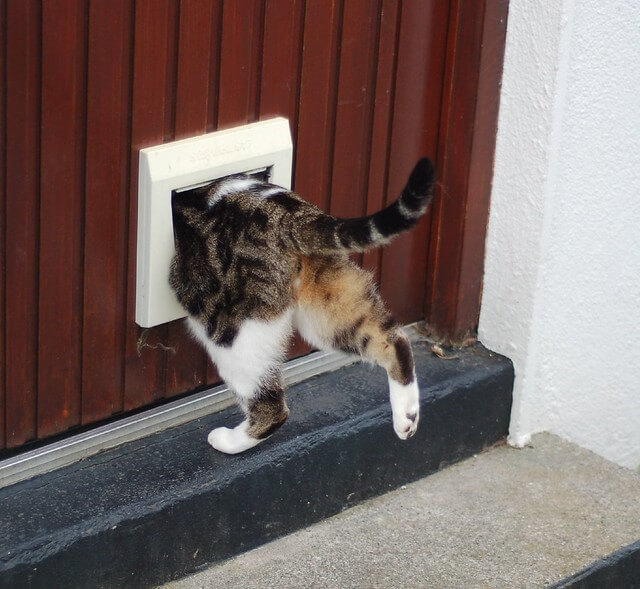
326	234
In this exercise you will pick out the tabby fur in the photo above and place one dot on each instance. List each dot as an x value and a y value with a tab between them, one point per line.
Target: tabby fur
254	261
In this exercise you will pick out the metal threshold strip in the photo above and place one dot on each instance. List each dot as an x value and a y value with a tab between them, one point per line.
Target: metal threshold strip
79	446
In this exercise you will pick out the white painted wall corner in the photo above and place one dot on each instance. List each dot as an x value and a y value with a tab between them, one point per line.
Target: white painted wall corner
562	272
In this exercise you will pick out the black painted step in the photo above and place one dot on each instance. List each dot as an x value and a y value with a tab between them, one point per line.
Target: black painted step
159	508
621	569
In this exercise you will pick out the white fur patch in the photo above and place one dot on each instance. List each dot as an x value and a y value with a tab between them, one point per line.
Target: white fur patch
405	212
267	192
405	405
313	327
376	236
232	441
230	186
258	349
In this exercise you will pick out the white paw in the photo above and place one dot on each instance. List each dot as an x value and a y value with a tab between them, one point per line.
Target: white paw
232	441
405	405
405	426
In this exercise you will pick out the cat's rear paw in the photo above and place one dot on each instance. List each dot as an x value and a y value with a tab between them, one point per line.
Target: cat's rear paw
219	438
231	441
406	425
405	406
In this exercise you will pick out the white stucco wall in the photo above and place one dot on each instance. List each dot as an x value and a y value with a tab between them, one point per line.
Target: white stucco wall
562	277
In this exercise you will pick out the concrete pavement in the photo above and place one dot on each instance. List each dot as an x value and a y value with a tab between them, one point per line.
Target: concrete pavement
505	518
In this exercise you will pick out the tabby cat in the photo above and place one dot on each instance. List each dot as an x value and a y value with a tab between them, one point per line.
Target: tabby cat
254	261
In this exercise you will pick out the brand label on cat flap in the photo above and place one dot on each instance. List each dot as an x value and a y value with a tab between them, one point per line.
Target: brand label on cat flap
182	164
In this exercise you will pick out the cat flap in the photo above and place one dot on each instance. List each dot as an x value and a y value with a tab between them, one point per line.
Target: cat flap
171	167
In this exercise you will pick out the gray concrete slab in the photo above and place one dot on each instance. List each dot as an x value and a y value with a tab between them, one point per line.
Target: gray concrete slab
505	518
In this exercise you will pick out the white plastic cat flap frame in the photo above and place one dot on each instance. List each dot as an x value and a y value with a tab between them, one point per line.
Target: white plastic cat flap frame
187	163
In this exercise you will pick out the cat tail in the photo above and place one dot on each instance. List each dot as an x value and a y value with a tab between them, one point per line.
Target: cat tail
326	234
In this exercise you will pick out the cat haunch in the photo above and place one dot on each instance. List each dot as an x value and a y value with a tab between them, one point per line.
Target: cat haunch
254	262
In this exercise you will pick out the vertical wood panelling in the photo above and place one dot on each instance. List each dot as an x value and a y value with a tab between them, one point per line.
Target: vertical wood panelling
145	348
418	90
197	27
3	200
382	116
215	54
469	291
354	108
241	59
108	93
61	214
467	143
22	218
171	64
85	85
187	367
280	82
316	120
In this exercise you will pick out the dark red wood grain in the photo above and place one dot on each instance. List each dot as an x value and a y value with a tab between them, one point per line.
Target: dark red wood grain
171	65
215	55
240	63
466	147
64	38
22	218
355	93
418	88
492	46
106	197
195	33
145	349
3	206
382	117
281	60
316	120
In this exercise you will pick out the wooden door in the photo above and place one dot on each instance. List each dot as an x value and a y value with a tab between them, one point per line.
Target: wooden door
367	85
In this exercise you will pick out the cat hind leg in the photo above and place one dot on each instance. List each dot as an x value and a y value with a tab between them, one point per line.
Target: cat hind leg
252	368
265	412
339	309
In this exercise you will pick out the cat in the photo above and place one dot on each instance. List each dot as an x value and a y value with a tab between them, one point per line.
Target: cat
253	261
